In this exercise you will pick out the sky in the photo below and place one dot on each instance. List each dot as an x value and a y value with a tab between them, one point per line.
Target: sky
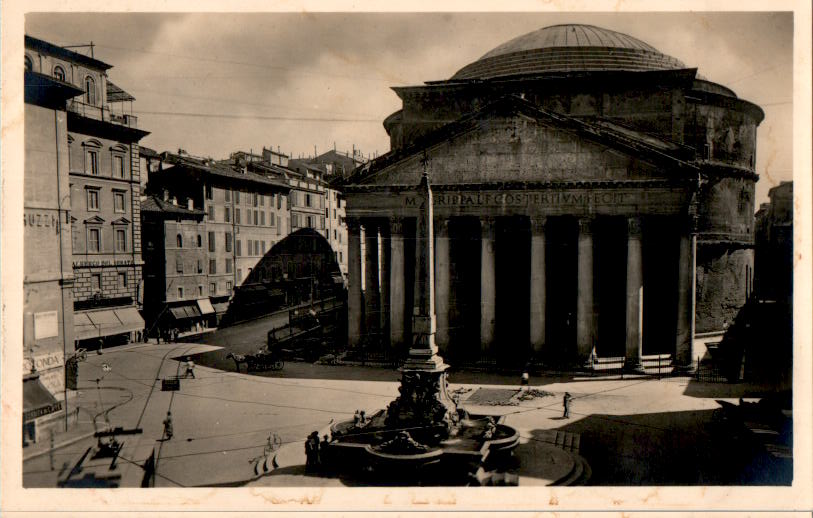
215	83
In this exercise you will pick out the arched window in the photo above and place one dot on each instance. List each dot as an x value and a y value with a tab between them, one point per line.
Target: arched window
59	73
179	241
29	65
90	90
200	241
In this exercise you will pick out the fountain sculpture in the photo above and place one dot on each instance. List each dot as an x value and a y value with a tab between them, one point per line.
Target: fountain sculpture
422	436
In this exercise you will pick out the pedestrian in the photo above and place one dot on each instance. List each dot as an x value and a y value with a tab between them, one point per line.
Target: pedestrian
190	368
312	451
101	344
566	403
168	426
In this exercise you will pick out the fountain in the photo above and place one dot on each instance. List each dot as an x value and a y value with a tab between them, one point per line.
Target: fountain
422	436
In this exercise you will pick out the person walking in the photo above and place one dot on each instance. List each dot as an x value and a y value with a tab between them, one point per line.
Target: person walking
566	403
190	368
168	426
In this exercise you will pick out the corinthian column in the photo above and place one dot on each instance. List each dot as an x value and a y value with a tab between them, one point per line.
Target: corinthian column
442	287
397	286
488	287
538	286
635	295
685	309
584	302
354	297
371	292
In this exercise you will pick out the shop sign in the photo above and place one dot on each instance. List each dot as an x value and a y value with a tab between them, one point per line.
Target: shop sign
103	262
39	412
39	219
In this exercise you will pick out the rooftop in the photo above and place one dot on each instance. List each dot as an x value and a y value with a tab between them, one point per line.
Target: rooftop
568	48
55	50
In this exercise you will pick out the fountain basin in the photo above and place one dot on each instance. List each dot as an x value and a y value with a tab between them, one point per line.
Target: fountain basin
426	454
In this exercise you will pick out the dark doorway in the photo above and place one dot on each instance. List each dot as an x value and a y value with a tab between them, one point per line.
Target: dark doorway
464	296
513	270
660	261
610	268
561	258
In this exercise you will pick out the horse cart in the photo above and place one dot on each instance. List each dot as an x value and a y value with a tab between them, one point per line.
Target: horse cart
264	360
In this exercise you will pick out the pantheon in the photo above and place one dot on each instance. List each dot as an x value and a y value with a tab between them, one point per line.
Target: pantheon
593	197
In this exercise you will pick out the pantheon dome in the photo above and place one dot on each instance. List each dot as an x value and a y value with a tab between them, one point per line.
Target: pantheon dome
568	48
592	195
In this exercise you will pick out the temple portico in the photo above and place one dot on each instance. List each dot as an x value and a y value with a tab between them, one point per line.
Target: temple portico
577	287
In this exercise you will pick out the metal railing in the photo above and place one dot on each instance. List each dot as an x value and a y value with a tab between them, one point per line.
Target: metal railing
102	113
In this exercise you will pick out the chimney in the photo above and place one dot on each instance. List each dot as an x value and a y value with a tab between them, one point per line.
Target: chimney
190	204
166	195
175	201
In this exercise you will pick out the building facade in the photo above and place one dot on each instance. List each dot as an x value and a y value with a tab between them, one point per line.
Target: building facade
176	281
47	272
104	186
244	216
591	195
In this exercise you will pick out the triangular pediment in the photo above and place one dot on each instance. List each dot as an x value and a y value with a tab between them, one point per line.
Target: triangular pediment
514	141
95	220
120	221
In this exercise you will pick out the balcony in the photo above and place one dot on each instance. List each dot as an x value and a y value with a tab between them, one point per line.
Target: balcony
103	113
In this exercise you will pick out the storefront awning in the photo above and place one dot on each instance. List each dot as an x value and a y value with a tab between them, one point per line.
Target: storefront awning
106	322
186	311
37	401
205	307
130	318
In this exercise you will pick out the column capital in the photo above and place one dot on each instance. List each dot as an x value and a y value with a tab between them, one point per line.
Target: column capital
586	225
370	224
487	225
634	227
353	224
396	225
442	227
538	225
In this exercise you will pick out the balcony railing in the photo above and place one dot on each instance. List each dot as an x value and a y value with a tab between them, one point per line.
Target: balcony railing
102	113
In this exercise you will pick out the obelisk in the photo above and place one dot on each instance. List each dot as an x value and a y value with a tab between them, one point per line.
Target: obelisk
423	400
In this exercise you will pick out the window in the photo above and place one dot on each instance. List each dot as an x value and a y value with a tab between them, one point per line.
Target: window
327	213
340	257
96	282
228	241
212	266
228	265
334	234
334	213
255	199
295	220
238	248
200	266
59	73
236	214
262	217
236	196
279	201
92	162
239	275
118	202
179	264
262	200
200	291
211	212
94	241
212	288
322	223
93	199
270	219
227	214
308	200
227	194
122	279
263	247
256	219
118	166
209	194
200	241
180	292
211	241
121	240
90	90
179	241
228	285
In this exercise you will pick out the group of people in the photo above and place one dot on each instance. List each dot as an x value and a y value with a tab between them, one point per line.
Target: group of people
315	451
